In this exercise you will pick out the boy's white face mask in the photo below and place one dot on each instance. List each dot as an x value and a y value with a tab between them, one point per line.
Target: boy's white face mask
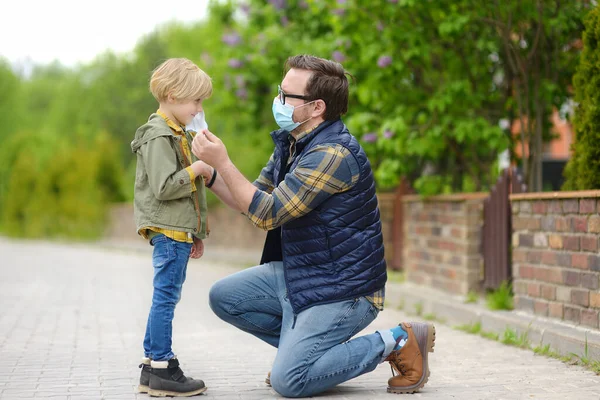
198	123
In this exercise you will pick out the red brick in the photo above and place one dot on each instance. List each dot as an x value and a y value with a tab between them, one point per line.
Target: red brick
519	223
449	273
539	207
548	223
589	280
595	299
563	259
519	255
549	257
571	243
562	224
587	206
548	292
551	275
571	278
580	297
526	240
579	224
525	207
554	207
580	260
556	241
594	262
588	243
533	289
540	307
572	314
570	206
526	272
594	224
534	257
589	318
519	287
555	310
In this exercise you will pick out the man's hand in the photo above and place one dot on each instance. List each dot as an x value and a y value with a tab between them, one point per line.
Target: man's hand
210	149
197	248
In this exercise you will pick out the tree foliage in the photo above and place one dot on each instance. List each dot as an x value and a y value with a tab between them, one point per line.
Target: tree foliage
583	169
434	84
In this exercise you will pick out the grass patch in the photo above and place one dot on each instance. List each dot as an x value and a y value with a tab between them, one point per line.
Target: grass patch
472	297
419	309
511	338
400	305
501	298
471	328
396	276
490	335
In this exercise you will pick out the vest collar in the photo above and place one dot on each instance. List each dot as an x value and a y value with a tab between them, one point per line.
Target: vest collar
281	137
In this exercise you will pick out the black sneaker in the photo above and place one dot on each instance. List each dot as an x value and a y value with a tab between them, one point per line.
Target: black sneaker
167	379
144	385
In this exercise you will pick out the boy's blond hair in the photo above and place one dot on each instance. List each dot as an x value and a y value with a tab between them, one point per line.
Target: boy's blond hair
180	78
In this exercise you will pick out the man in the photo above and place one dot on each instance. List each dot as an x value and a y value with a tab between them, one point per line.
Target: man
322	275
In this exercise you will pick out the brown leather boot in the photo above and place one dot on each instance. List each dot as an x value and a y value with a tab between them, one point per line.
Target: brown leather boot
268	379
409	364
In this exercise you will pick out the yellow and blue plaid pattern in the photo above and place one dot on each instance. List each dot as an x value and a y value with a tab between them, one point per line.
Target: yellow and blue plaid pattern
322	172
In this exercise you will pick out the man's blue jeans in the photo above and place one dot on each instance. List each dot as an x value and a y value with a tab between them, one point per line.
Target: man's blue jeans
170	259
317	353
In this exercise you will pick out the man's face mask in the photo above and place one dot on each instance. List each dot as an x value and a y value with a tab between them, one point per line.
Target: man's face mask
283	115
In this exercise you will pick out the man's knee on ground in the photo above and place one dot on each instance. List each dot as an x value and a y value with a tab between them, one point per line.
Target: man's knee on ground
288	383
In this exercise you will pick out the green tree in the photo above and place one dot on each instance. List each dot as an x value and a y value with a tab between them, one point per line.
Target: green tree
583	169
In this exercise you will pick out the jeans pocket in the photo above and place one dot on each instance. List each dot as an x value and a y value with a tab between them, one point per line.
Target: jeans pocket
163	251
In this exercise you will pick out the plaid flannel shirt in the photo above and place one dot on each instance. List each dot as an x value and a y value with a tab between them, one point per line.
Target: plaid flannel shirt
322	172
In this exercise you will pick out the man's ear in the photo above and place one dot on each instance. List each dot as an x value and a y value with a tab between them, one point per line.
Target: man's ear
320	108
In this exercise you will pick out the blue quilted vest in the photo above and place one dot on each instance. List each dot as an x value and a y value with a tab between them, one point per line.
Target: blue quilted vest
335	252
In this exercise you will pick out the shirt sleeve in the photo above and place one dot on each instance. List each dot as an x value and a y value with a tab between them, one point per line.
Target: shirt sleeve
265	180
322	172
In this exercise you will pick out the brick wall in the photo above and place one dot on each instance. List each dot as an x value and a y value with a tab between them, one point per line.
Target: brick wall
442	241
556	263
386	210
231	229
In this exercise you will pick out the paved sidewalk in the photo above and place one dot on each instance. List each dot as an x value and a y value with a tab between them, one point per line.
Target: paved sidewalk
72	319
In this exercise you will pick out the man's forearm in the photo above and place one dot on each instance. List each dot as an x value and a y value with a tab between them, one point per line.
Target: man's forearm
241	190
220	189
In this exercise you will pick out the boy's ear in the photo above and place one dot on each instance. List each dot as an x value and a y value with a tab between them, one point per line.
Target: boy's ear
171	99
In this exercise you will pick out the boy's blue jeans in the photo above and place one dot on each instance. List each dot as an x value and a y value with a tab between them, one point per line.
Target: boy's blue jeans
170	259
317	353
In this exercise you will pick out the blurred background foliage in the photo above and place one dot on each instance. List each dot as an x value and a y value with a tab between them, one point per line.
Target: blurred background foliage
434	84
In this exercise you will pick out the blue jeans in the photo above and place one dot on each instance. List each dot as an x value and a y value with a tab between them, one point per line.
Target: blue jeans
317	353
170	259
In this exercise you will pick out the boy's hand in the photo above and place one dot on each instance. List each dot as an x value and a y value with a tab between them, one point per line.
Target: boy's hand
201	168
210	149
197	248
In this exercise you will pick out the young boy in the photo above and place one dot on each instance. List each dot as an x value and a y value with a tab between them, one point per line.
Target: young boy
170	211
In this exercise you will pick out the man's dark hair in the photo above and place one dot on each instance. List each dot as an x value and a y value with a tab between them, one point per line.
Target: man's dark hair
328	82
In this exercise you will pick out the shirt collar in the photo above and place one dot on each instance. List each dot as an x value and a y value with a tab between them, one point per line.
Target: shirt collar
175	127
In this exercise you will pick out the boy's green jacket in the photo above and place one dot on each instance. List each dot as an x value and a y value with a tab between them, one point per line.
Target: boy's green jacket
163	195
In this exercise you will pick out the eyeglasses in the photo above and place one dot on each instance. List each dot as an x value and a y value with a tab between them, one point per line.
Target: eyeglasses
282	95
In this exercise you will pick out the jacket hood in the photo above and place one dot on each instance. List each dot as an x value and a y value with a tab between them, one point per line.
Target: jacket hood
155	127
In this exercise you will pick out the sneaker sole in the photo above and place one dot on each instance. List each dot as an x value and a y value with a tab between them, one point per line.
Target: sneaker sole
167	393
143	389
425	349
